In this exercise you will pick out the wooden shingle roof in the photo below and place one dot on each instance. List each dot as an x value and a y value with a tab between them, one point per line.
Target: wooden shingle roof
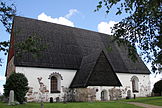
95	70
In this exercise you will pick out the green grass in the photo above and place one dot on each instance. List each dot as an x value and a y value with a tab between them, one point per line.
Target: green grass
146	100
73	105
109	104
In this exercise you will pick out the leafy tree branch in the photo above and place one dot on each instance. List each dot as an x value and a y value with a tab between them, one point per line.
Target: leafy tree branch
30	45
142	28
7	12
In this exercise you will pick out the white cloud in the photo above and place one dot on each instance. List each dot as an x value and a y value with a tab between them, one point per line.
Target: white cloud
105	27
71	12
60	20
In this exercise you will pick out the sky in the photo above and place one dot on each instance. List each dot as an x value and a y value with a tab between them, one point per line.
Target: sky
75	13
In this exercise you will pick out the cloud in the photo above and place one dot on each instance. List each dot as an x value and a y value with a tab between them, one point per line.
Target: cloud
60	20
71	13
105	27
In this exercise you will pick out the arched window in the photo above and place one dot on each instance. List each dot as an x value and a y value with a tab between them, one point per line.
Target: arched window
135	81
54	84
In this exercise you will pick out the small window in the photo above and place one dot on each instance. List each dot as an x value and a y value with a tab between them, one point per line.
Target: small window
55	82
54	85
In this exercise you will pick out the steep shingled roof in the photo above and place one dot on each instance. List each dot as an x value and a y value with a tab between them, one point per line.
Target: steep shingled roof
69	47
95	70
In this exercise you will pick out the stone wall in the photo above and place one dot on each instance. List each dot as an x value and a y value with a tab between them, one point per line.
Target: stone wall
115	94
82	95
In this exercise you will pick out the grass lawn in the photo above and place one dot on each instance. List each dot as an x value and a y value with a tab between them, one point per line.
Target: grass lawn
73	105
109	104
146	100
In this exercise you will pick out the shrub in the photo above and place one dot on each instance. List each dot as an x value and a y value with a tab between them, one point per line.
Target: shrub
1	98
19	83
158	87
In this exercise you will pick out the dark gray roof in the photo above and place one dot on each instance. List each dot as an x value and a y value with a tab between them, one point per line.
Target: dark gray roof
95	70
72	48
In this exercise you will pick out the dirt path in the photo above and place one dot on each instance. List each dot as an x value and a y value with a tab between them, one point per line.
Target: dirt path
144	105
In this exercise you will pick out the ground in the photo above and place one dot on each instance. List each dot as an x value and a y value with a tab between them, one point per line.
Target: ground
146	100
110	104
144	105
73	105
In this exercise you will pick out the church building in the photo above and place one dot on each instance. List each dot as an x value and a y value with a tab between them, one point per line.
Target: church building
75	65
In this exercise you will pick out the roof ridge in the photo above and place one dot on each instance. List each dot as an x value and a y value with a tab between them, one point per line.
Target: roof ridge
60	25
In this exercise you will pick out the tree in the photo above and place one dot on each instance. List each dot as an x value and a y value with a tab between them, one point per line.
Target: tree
158	87
142	27
19	83
7	12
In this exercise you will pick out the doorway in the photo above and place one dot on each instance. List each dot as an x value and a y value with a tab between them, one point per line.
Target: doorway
104	96
129	94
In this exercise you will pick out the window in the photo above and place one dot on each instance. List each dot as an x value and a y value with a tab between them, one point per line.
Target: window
135	81
55	82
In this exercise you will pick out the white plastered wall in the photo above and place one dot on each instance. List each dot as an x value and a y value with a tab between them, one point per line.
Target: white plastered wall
67	75
33	73
125	79
144	85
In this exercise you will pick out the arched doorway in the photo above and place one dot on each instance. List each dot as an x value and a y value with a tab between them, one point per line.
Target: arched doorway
129	94
104	96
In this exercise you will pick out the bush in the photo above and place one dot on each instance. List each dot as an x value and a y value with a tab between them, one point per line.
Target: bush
1	98
19	83
158	87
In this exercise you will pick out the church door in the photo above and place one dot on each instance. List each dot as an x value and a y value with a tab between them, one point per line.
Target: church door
104	95
129	94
